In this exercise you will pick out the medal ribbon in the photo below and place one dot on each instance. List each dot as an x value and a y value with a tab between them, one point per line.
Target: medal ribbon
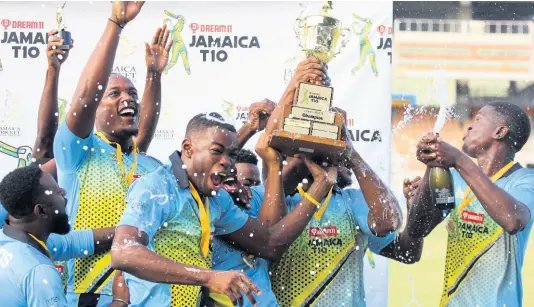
322	207
467	200
128	179
43	245
204	217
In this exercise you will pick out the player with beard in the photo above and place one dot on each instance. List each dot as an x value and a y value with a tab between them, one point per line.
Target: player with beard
36	207
96	169
165	232
490	225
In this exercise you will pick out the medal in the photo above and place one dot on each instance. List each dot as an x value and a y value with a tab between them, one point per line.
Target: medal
249	260
451	227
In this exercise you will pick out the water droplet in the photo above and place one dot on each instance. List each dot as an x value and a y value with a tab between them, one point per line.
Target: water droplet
184	166
74	113
103	150
213	193
284	162
100	87
85	252
312	272
85	147
195	174
165	224
305	180
44	280
120	284
56	212
56	114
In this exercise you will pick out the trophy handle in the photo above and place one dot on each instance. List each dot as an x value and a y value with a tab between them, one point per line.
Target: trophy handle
297	27
345	38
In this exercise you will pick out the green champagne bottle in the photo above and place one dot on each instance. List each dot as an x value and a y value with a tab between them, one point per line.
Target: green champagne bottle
442	188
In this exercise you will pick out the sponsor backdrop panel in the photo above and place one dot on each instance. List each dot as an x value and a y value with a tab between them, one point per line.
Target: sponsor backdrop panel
226	55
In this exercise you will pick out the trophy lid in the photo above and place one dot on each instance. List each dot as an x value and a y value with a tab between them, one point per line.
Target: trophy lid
325	15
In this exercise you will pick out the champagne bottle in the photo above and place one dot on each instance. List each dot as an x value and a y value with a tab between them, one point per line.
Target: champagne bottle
442	188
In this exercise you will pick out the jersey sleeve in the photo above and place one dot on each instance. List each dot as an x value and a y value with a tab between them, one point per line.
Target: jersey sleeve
231	218
148	205
523	191
360	211
69	150
42	287
75	244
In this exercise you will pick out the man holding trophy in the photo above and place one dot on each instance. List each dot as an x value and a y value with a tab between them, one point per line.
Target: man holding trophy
324	266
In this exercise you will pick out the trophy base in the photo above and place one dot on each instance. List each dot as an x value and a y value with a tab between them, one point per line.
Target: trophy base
67	40
325	149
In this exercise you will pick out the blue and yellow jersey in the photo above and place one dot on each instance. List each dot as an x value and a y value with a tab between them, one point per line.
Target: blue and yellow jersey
324	266
161	205
226	257
483	262
96	184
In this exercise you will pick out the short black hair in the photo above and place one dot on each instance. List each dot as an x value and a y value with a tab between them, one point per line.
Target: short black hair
204	121
246	156
517	121
20	190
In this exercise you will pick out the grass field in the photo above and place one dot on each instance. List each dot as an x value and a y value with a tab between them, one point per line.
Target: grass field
421	284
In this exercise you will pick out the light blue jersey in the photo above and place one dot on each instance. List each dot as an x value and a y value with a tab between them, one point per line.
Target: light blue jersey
29	278
484	262
89	170
161	205
75	244
324	266
226	258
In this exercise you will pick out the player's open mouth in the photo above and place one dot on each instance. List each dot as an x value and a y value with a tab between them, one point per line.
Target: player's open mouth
230	184
218	178
128	111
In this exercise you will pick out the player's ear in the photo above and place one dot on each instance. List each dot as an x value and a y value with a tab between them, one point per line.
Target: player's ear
187	148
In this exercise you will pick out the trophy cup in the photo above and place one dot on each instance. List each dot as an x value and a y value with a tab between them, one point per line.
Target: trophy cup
309	125
61	28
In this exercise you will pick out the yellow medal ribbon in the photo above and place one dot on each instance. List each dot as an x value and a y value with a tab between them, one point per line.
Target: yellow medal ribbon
322	207
204	220
467	200
128	179
43	245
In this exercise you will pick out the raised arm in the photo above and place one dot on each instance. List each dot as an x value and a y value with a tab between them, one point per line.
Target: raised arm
48	116
271	242
80	243
404	248
385	215
93	81
157	57
258	116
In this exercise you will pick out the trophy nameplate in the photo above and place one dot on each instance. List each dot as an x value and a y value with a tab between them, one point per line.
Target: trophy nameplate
326	117
315	97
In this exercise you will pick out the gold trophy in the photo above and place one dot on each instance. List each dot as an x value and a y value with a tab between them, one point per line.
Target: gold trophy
62	29
310	125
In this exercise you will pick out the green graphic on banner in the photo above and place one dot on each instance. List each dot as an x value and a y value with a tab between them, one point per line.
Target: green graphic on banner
22	153
178	46
366	49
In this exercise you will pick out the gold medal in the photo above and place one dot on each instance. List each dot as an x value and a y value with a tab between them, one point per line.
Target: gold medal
451	226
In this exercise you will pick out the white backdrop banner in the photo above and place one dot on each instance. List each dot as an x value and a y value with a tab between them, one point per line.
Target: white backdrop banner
227	55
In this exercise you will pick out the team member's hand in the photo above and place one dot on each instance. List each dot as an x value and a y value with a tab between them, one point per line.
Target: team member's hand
310	70
120	291
123	12
55	56
157	53
267	153
432	151
259	113
232	284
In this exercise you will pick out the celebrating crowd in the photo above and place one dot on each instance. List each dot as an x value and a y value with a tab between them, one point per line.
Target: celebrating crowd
206	227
